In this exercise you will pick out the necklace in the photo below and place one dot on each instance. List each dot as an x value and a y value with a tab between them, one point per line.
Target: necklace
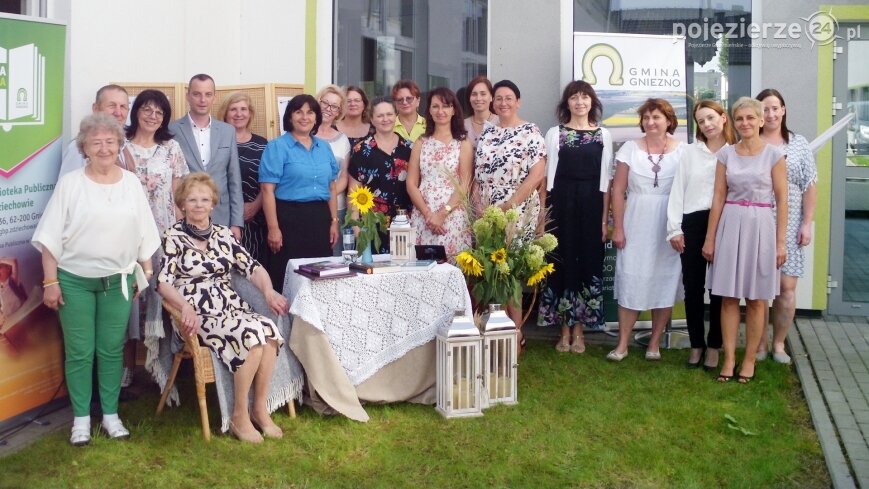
487	119
656	166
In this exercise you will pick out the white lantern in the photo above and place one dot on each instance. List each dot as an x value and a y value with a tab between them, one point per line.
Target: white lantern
500	367
459	359
402	238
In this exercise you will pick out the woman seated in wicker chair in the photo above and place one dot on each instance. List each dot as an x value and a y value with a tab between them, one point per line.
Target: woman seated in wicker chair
195	279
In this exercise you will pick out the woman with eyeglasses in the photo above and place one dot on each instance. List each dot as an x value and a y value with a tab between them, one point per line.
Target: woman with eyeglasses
298	176
648	269
238	111
355	123
408	124
332	105
158	161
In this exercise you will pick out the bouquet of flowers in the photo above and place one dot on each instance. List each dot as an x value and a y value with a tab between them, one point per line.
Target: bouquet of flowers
502	261
363	200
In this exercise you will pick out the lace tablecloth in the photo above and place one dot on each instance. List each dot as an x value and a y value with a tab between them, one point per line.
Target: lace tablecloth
373	320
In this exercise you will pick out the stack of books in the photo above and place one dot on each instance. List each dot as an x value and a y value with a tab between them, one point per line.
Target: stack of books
325	269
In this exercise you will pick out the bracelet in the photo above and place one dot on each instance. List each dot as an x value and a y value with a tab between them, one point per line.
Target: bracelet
50	281
334	219
49	284
149	272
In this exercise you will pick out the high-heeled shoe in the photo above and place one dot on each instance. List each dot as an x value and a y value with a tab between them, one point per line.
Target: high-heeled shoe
690	364
246	437
272	431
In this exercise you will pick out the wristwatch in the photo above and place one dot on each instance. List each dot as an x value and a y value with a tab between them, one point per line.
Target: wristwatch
448	208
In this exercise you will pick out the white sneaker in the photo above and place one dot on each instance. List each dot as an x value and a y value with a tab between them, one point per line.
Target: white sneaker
115	430
80	436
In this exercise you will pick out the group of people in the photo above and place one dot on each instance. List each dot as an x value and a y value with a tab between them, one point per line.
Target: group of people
729	213
227	200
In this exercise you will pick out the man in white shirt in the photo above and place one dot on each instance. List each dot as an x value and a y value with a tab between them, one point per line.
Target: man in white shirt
111	99
209	146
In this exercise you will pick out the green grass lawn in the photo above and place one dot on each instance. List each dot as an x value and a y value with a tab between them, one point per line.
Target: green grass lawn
580	422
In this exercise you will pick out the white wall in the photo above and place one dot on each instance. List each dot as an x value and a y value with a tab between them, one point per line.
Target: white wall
235	41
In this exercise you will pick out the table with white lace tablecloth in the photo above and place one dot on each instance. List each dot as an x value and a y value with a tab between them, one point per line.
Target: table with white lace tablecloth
370	337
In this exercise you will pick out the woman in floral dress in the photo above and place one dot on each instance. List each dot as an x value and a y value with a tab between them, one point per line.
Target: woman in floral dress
157	160
380	163
439	175
578	178
510	165
195	278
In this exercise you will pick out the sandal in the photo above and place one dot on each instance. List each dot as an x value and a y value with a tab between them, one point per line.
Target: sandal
563	345
723	379
744	379
578	345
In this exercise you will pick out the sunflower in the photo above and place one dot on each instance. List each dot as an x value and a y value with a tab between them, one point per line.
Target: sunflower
540	274
362	198
499	256
469	264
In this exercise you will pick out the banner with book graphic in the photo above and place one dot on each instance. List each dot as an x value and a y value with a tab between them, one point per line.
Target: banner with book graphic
32	54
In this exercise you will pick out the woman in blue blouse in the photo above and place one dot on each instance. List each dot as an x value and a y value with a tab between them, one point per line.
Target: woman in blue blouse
297	175
380	163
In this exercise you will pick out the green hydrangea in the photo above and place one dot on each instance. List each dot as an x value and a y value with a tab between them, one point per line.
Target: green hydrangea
535	258
503	268
482	229
495	216
548	242
511	214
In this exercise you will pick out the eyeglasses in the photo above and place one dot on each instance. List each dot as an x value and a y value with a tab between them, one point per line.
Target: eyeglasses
329	107
405	100
150	111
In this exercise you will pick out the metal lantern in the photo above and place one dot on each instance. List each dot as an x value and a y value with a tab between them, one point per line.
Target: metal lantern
402	238
500	367
459	363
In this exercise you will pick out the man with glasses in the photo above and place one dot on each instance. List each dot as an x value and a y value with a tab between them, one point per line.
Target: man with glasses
409	124
111	99
209	146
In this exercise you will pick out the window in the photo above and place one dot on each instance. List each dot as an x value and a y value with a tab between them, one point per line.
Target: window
438	43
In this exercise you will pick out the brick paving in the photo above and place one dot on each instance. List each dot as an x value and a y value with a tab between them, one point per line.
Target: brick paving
831	356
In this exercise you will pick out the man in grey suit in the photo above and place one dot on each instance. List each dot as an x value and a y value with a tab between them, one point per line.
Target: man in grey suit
209	146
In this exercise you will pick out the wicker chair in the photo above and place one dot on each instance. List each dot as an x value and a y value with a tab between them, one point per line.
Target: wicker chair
203	370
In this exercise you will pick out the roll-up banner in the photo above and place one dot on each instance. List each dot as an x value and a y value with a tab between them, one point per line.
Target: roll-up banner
32	54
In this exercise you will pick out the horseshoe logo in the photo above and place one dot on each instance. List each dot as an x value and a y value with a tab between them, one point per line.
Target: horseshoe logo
607	51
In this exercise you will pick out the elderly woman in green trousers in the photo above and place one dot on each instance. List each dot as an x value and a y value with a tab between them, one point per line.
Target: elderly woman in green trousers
96	237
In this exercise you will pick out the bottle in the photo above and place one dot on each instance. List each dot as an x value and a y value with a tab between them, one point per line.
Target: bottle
349	239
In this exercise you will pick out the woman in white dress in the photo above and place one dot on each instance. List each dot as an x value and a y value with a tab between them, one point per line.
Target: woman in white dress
647	268
802	196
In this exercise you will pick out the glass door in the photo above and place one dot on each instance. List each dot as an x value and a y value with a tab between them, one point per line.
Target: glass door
849	223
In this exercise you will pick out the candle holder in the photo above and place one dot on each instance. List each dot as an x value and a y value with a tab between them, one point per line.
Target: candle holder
500	365
459	376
